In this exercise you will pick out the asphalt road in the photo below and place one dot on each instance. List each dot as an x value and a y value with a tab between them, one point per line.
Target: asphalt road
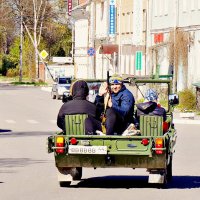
27	171
27	109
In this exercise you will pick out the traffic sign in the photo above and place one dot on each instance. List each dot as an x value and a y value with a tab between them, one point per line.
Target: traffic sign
138	60
91	51
43	54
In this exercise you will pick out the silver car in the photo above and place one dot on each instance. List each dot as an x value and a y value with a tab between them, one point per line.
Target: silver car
62	85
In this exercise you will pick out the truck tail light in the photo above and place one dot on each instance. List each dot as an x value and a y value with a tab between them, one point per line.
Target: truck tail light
159	144
73	141
145	141
60	142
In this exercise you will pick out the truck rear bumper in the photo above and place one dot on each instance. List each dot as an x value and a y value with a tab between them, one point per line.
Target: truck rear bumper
101	161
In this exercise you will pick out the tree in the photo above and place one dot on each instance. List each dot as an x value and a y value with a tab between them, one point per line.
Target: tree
179	41
6	28
35	13
57	36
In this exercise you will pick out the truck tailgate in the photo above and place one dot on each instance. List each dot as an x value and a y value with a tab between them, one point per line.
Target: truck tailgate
113	145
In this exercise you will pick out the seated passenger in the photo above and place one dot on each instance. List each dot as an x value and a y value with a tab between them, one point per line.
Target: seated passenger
120	106
150	107
78	105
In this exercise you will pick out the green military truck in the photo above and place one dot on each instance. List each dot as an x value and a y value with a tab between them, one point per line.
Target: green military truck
151	148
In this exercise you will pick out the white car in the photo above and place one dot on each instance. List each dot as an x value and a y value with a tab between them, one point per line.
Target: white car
62	85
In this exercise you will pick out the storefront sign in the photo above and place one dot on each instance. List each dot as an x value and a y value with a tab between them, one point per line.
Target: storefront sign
69	7
112	17
138	60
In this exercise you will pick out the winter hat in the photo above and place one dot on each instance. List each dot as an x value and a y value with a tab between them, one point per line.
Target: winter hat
116	79
151	95
80	90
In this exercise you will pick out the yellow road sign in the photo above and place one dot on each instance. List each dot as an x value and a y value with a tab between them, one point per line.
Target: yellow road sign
43	54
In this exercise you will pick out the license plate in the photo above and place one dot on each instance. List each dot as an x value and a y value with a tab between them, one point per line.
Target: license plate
87	149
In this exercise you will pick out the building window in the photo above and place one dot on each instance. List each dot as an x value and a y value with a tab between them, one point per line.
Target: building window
123	23
102	10
192	3
155	7
165	7
131	22
128	17
160	7
184	6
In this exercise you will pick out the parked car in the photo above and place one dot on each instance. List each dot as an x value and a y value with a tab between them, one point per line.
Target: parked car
93	90
61	85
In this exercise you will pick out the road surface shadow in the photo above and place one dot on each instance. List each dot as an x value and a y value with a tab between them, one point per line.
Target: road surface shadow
127	182
5	130
8	133
10	165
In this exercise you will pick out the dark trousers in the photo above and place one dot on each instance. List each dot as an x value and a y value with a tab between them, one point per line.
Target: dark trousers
91	125
114	124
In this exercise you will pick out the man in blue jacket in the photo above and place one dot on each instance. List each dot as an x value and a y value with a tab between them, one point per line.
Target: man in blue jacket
120	106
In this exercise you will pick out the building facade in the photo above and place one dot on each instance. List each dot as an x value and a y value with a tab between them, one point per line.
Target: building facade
150	37
173	39
114	51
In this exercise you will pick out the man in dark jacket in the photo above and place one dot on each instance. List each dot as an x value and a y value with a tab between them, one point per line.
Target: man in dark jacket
78	104
120	106
150	107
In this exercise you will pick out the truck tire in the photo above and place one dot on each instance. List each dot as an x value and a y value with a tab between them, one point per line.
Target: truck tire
78	173
57	97
167	174
75	172
53	96
169	170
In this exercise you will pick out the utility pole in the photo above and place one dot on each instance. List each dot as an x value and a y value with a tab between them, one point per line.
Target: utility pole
174	81
91	70
21	47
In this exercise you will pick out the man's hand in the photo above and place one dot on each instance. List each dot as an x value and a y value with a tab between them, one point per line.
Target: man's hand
110	102
103	89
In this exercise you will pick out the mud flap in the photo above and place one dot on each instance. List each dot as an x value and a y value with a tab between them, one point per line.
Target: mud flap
156	177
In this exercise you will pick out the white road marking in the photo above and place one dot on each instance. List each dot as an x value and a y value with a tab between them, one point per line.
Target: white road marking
10	121
31	121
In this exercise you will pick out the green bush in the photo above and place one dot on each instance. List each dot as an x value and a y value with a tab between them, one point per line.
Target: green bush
140	101
187	100
13	72
6	65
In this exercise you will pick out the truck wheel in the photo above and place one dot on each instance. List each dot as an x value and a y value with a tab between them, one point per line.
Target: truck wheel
169	170
53	96
167	174
78	173
64	183
75	172
57	97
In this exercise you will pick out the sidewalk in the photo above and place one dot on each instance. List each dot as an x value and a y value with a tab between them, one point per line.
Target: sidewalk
181	118
46	88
